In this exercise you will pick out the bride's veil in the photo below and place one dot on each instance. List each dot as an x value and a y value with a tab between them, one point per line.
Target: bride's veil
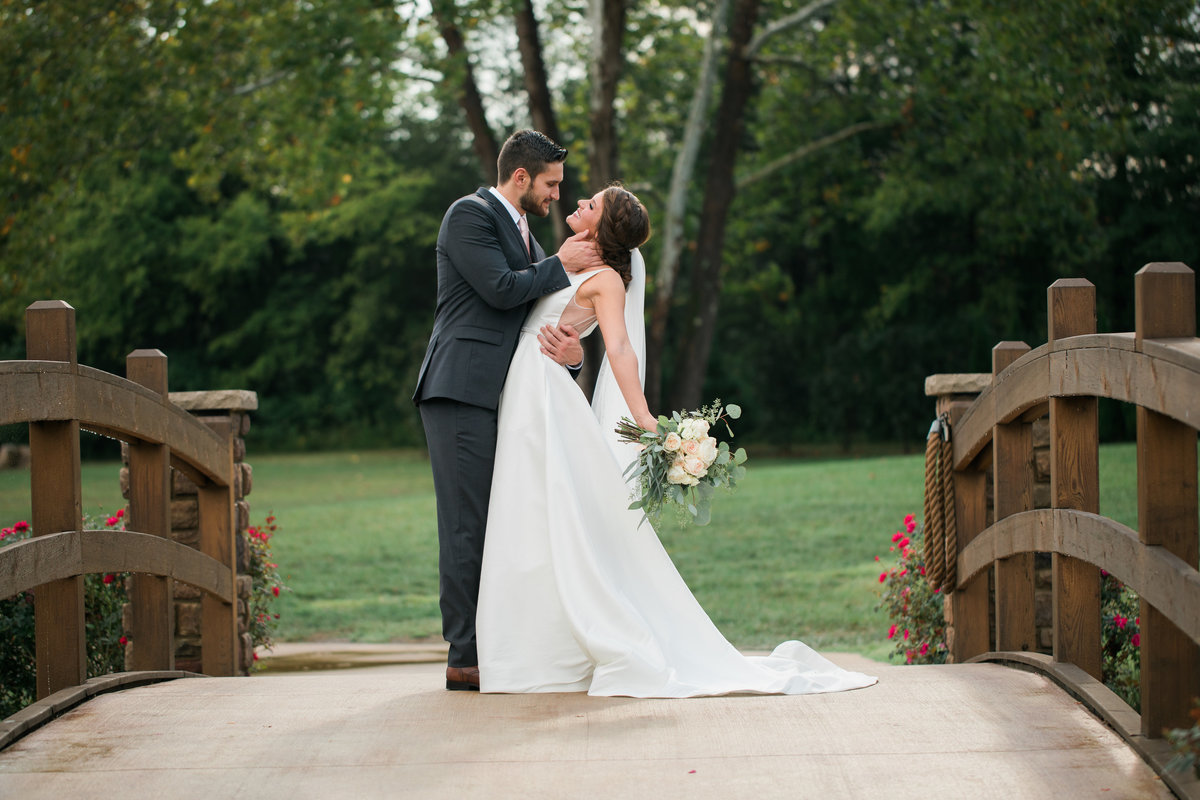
608	403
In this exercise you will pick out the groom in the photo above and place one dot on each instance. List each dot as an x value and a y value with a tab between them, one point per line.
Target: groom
489	270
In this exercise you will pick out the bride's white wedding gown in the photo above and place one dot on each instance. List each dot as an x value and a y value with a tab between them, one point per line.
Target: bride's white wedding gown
577	594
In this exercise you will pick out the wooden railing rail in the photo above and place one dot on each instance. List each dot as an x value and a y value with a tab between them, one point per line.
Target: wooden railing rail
1157	368
58	397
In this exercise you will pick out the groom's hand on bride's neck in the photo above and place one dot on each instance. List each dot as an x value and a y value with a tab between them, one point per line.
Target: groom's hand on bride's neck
580	253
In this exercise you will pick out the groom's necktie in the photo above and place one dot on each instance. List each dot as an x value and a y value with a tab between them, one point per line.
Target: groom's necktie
523	227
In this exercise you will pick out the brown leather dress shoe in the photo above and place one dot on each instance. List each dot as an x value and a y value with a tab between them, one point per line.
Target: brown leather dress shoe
462	679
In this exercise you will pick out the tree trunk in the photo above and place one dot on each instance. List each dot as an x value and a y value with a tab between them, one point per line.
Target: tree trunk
719	192
541	110
459	69
608	29
676	210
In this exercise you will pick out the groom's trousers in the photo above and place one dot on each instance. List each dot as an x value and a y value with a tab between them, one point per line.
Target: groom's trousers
462	450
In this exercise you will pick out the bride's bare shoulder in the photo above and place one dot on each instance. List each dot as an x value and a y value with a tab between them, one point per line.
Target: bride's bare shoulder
605	281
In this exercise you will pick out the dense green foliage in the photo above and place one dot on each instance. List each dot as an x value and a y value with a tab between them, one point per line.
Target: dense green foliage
255	189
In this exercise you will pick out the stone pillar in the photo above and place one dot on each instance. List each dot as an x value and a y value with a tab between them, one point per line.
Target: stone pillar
185	517
953	393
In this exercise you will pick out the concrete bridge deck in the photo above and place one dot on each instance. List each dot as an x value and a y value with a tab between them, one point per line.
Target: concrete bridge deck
966	731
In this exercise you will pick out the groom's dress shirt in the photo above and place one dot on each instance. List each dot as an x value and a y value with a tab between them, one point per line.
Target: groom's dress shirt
517	217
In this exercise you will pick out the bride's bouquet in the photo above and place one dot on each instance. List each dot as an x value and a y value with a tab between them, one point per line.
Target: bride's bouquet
682	463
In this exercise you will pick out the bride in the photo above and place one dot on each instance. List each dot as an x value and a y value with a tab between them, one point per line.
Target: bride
577	594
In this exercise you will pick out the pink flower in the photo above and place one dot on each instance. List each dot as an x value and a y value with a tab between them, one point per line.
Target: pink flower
910	522
903	572
876	558
1120	621
112	521
120	513
924	648
906	634
882	577
892	632
922	569
904	542
253	531
1136	641
123	640
7	531
1137	621
897	536
20	527
275	591
109	578
908	654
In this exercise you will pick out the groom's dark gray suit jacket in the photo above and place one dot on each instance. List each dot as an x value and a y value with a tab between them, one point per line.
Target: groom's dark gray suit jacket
481	301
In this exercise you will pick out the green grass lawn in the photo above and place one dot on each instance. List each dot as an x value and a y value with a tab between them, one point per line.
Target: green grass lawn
789	555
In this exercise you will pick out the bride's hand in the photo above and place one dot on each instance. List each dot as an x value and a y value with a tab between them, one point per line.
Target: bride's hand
648	422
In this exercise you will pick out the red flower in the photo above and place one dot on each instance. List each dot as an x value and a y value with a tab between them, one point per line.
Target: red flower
910	522
275	591
897	536
120	513
922	569
1120	621
904	542
123	640
256	656
20	527
1136	641
924	648
903	572
882	577
892	632
7	531
112	521
253	531
109	578
906	634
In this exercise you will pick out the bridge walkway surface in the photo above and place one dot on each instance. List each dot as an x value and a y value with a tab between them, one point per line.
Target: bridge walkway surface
386	727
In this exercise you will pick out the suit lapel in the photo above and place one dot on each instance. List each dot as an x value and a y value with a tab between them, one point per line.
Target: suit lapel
504	222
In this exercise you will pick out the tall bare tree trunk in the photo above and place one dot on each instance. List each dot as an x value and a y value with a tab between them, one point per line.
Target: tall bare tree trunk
608	30
460	71
719	192
541	109
676	210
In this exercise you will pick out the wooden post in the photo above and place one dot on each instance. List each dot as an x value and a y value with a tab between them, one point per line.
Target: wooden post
1012	471
1165	303
151	606
56	505
1075	484
218	619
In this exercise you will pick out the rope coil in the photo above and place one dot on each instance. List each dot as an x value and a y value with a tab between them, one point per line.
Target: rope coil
941	531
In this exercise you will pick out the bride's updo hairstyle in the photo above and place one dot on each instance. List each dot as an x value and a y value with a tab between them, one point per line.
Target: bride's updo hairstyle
624	225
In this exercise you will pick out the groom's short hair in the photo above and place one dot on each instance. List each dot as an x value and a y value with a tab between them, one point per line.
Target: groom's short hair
532	150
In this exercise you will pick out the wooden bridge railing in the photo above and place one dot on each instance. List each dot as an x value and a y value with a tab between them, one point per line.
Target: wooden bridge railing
1156	368
57	396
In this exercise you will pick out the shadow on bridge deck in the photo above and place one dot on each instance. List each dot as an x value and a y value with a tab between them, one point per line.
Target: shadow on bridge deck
967	731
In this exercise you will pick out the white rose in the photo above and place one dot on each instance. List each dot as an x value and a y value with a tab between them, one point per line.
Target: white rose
676	474
693	428
690	447
708	450
671	442
694	465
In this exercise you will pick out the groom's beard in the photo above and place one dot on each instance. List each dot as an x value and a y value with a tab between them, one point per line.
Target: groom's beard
532	204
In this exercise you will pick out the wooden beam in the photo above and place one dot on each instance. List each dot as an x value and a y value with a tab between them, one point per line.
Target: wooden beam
1165	307
151	597
1074	483
56	505
1013	476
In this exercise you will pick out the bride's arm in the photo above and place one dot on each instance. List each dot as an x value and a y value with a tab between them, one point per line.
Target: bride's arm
606	294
